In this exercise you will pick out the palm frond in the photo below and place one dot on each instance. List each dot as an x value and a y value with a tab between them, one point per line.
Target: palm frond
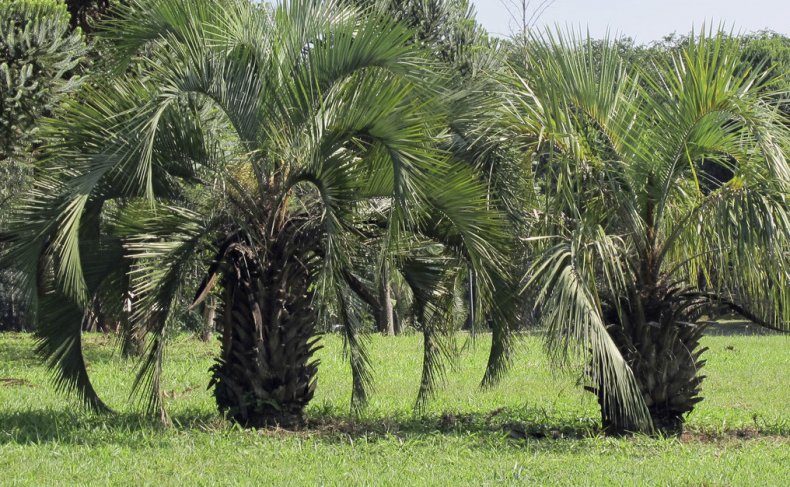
570	301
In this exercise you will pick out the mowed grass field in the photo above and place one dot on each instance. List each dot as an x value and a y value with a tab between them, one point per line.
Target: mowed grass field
535	427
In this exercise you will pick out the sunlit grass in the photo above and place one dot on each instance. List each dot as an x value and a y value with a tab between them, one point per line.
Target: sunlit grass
535	426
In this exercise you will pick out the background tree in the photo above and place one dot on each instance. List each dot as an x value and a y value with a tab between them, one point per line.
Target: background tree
447	29
524	15
39	66
770	51
462	52
39	57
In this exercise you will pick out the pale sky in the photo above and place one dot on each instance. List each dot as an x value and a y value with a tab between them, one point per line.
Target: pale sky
645	20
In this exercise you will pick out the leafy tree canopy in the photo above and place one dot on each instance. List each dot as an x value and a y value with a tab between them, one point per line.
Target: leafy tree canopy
38	60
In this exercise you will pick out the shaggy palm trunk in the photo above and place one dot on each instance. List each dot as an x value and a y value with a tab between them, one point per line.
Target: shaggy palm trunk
657	335
265	376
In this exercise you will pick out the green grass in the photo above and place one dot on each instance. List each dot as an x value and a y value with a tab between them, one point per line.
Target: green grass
535	427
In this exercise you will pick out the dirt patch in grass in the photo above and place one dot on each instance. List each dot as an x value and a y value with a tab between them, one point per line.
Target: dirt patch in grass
736	435
12	381
499	422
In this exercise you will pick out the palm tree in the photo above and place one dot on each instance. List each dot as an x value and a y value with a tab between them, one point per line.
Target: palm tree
664	202
256	141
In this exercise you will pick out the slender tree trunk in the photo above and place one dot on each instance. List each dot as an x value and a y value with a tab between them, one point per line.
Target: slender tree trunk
133	344
469	323
387	320
397	322
209	314
12	318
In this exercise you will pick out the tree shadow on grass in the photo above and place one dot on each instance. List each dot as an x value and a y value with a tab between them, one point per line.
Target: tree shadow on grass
82	428
21	348
513	427
515	424
732	325
135	430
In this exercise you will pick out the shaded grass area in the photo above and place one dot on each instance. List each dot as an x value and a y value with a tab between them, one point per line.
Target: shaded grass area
534	427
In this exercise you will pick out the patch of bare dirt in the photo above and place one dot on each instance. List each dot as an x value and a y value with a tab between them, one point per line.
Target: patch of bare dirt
730	435
12	381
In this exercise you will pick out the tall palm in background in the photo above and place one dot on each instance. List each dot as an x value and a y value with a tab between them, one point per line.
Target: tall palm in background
665	200
446	30
257	141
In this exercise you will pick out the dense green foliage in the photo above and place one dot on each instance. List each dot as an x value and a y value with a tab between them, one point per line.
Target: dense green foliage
39	57
445	28
740	435
38	60
665	198
770	51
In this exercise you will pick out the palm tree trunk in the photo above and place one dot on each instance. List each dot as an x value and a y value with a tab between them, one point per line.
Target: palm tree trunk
397	323
265	376
133	343
133	339
660	343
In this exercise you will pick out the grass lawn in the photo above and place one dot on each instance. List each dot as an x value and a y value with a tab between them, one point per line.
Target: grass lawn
535	427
